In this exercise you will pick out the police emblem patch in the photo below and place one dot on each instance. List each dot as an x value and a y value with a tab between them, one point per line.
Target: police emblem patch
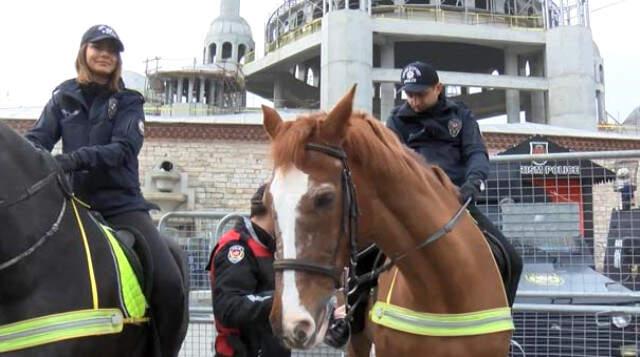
544	279
236	254
107	30
141	127
455	125
539	147
410	74
112	108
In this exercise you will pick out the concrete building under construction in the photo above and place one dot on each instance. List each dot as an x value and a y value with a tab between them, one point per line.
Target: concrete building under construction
215	84
535	58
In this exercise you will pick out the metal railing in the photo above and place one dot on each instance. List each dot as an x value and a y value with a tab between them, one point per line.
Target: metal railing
449	14
291	35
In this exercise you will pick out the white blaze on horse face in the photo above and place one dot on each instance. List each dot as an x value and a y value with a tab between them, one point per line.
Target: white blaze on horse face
287	189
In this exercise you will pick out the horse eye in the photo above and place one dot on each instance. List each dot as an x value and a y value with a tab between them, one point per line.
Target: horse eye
324	200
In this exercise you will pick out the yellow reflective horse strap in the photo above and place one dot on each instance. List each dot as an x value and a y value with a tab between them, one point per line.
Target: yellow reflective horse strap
133	298
59	327
85	242
441	325
135	303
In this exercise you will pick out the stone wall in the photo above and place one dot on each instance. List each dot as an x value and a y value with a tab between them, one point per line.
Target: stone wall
223	173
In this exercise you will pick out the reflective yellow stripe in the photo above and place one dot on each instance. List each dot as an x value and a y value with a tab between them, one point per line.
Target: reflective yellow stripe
92	277
58	327
133	297
393	284
442	325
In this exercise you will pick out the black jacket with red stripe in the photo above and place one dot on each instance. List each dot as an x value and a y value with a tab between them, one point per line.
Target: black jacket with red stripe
242	282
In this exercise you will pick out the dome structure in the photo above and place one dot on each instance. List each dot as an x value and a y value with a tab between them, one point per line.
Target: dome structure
229	38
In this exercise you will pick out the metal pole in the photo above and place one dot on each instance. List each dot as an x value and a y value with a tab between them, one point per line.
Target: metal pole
587	14
466	12
547	13
223	221
568	156
580	309
162	223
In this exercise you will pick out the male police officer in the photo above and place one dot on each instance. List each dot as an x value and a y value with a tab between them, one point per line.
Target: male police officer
446	134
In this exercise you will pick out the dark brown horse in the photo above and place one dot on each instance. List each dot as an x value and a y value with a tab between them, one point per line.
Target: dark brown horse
321	162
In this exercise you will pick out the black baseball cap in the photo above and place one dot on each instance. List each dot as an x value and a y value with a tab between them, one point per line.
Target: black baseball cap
418	76
102	32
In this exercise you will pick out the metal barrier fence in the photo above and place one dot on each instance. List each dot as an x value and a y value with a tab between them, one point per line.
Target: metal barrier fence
197	233
573	217
201	335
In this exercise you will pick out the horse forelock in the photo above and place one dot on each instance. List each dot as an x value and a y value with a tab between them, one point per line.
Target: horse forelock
288	148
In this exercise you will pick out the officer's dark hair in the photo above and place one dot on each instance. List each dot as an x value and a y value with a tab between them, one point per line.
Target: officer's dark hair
84	75
257	205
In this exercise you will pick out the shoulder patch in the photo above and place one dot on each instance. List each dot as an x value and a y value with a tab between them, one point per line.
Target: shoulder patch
235	254
141	126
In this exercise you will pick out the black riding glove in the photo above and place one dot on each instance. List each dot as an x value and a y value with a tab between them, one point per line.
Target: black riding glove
67	162
471	189
338	333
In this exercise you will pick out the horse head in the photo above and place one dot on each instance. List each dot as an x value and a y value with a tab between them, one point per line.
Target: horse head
22	165
306	197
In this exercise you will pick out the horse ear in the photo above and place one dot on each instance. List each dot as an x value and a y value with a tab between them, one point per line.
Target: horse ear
336	122
271	121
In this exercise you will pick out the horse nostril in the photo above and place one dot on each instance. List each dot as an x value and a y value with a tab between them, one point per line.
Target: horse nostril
300	334
303	330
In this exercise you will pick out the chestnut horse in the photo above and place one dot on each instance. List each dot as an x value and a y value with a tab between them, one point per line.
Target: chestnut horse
343	172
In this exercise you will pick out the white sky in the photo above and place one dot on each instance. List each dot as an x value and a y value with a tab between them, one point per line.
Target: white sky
39	40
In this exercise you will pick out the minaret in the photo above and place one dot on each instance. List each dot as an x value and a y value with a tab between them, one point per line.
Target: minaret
230	8
229	38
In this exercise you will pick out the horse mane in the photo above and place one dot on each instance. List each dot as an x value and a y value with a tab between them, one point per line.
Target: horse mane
367	141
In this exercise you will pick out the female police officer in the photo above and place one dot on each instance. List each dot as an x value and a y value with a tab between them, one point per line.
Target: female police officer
101	124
